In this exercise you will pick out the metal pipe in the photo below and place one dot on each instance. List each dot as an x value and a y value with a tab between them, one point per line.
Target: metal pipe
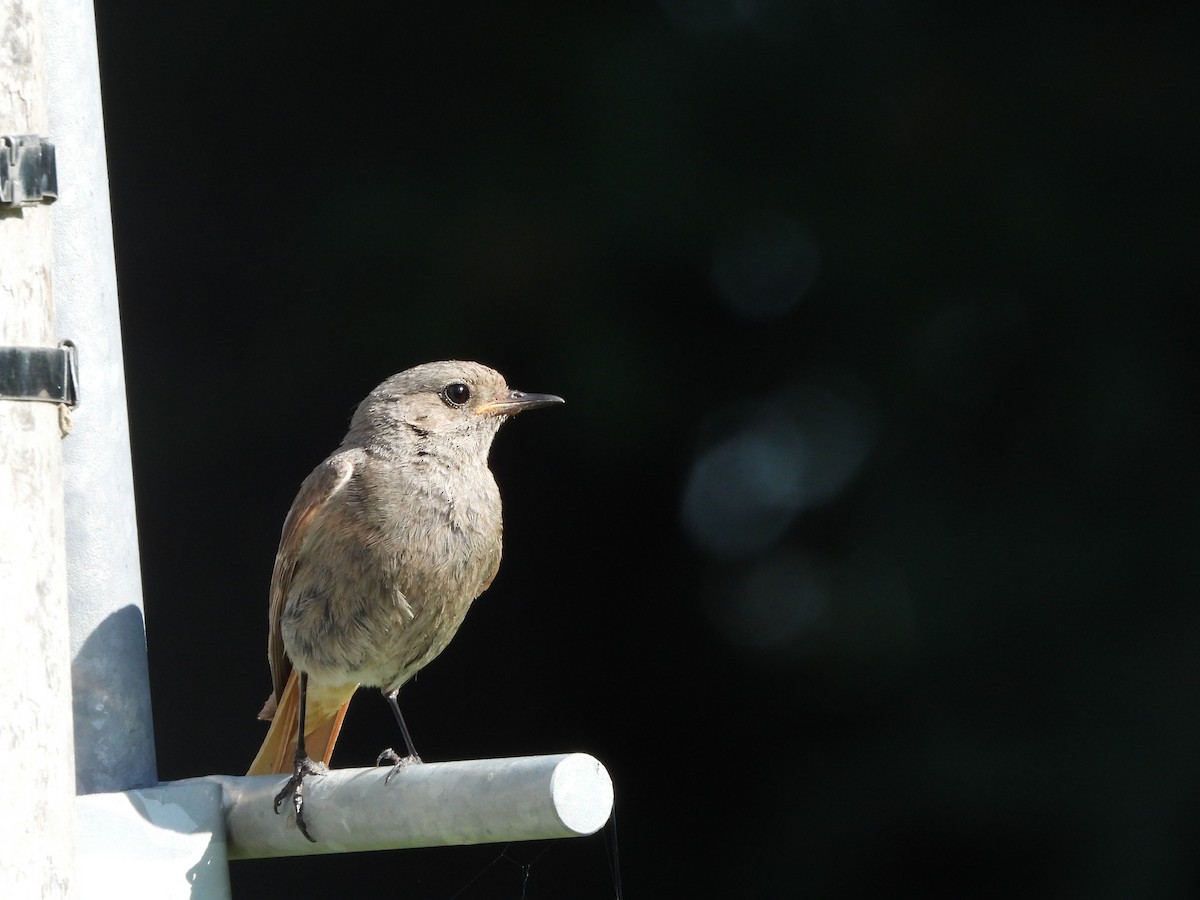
424	805
114	737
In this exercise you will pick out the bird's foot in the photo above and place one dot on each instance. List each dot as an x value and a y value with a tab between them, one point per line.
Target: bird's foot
294	788
398	762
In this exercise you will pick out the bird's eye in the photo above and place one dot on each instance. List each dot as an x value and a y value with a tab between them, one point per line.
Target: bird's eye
456	393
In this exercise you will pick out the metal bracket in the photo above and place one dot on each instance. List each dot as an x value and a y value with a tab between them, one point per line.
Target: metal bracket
27	170
46	374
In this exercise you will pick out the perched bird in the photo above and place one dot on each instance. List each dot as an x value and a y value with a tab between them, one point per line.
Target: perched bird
386	545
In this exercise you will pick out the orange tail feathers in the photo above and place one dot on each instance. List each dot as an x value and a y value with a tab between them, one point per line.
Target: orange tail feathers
326	708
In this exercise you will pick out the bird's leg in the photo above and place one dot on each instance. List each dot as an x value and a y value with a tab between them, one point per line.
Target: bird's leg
294	788
391	755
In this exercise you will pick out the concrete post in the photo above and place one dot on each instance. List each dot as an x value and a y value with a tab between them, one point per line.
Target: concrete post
37	824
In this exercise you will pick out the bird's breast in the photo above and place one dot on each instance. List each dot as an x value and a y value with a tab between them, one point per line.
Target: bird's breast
388	574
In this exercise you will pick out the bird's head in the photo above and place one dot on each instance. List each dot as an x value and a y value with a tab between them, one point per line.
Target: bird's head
440	405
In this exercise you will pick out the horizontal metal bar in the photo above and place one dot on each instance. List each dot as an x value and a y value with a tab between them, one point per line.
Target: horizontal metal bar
424	805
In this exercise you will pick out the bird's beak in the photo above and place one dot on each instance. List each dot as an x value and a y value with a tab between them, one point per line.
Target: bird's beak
517	401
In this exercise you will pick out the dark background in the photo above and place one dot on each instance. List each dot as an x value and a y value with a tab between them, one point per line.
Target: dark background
864	553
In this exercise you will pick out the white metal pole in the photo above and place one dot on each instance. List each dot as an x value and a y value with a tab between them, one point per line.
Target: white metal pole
114	747
37	821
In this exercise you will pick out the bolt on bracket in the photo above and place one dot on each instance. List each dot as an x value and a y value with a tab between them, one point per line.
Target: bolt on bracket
27	170
46	374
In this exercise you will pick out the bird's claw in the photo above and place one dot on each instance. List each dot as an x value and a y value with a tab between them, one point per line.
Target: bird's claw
398	762
294	788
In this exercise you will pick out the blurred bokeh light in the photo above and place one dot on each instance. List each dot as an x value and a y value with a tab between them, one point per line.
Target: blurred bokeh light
777	453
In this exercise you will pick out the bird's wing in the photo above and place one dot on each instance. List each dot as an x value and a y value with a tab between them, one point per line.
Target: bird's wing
323	483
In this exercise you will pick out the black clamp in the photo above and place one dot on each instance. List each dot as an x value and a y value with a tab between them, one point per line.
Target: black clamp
48	374
27	170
